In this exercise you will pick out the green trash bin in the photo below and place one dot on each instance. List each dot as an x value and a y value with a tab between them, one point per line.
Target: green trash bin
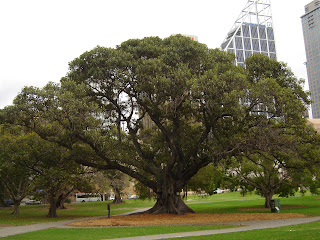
275	205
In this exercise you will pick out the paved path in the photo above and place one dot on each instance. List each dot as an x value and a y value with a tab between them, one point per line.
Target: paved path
246	226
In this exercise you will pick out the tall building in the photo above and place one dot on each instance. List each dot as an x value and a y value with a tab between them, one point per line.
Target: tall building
252	32
311	32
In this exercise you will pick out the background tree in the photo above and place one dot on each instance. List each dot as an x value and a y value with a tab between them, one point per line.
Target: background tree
15	178
58	174
117	181
2	196
29	163
100	183
279	163
202	108
143	191
207	180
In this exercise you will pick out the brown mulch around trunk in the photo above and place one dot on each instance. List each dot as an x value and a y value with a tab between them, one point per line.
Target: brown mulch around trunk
170	219
5	225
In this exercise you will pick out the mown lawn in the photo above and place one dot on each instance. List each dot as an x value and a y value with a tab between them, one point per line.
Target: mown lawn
309	231
108	233
309	205
221	203
37	213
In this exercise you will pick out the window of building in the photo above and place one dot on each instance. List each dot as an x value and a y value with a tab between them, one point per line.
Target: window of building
239	43
270	33
255	45
262	33
254	32
246	31
240	57
273	56
264	46
272	47
248	54
247	43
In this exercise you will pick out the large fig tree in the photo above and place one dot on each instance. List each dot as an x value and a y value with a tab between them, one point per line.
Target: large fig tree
159	110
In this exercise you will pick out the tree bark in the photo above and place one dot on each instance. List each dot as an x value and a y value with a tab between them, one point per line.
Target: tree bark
53	208
169	199
60	202
167	203
268	197
16	208
117	198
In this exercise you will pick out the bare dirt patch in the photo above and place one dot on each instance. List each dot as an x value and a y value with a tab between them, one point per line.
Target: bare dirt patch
170	219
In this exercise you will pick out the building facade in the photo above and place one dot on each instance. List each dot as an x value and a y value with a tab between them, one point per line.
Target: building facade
311	32
252	32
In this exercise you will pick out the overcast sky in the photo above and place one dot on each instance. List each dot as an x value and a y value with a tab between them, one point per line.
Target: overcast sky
39	37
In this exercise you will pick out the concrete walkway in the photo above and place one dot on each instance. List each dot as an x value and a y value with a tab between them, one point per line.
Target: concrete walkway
246	226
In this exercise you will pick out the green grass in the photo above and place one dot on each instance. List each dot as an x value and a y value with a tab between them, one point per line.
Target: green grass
221	203
233	202
303	231
33	214
108	233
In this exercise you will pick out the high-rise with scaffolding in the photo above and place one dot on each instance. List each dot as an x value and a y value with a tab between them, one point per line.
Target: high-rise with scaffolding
252	32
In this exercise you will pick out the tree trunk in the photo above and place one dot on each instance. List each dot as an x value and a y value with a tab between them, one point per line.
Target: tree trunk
117	197
169	199
16	208
53	208
60	202
62	198
268	197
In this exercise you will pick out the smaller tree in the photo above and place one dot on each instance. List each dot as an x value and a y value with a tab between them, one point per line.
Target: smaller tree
58	175
15	178
267	176
117	181
143	191
207	180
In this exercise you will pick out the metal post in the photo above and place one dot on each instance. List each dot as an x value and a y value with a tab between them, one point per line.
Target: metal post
108	210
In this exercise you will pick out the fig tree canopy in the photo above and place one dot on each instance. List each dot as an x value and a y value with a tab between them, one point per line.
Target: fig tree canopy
181	105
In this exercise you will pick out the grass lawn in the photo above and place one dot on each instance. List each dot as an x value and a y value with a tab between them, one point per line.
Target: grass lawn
309	205
303	231
33	214
107	233
221	203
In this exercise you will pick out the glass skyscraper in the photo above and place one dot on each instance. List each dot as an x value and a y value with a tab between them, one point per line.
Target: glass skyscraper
252	32
311	32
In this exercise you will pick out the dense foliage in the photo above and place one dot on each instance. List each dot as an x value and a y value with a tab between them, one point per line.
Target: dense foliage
182	105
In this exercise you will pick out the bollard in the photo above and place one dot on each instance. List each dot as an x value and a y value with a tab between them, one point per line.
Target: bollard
108	210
